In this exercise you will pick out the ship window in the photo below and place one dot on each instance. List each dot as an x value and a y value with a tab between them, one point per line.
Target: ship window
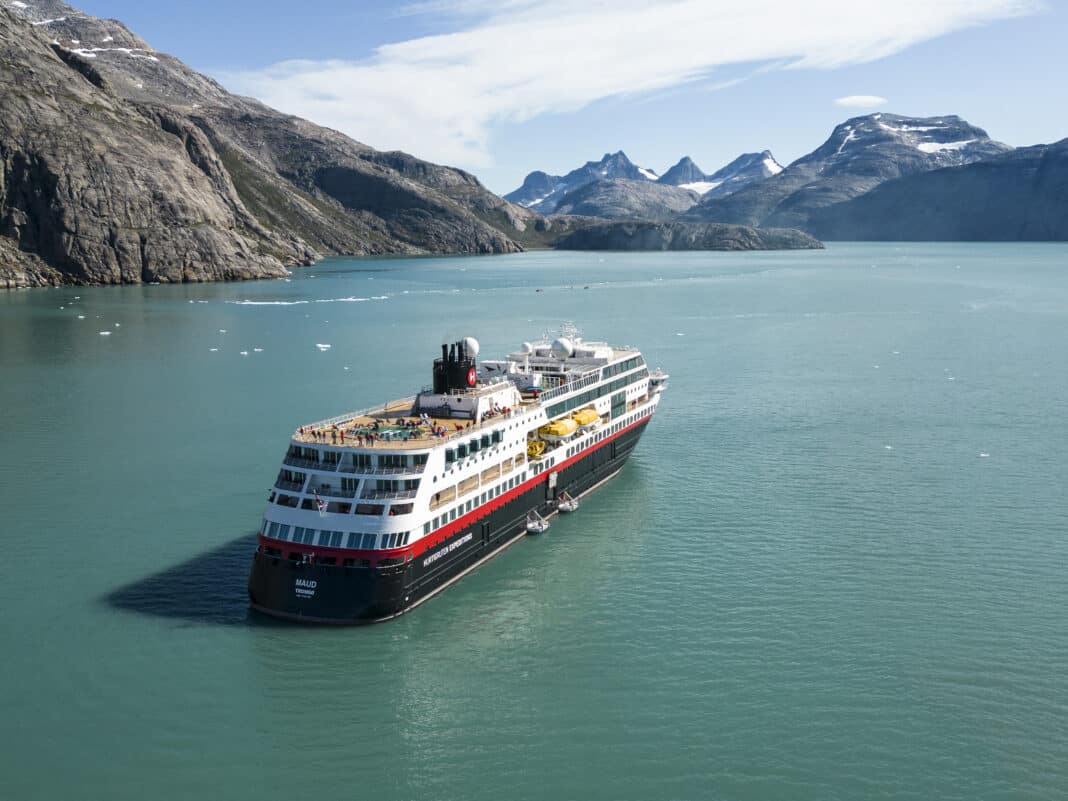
273	531
368	542
470	505
450	455
426	528
283	532
420	459
353	541
452	514
404	540
461	451
348	563
473	446
327	560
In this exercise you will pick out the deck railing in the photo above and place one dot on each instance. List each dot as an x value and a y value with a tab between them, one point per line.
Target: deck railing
334	492
383	495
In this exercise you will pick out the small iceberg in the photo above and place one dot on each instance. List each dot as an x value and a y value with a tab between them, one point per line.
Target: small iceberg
323	346
105	333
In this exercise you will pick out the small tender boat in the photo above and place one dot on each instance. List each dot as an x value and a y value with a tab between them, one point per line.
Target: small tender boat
558	430
536	524
586	419
565	503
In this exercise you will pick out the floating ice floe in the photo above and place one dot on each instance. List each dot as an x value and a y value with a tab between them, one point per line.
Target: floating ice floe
896	352
214	350
222	330
118	325
81	316
257	350
105	333
984	455
322	346
889	447
244	353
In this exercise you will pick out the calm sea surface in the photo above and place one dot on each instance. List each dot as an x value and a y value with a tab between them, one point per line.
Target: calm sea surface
834	568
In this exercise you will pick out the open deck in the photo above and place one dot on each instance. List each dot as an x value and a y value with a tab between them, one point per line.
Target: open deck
393	426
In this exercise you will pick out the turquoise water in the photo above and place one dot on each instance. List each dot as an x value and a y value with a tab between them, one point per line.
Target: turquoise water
808	583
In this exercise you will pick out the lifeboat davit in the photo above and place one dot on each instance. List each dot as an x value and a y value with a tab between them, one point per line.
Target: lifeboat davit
558	430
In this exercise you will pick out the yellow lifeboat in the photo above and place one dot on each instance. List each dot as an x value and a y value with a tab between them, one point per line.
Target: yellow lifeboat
586	419
535	448
558	430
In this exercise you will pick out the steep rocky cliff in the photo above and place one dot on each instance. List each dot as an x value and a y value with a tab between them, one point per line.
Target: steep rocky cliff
120	164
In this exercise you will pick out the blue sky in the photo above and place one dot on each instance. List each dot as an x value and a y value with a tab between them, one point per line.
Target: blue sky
504	87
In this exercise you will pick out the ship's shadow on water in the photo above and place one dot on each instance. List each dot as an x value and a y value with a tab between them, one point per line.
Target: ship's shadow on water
209	588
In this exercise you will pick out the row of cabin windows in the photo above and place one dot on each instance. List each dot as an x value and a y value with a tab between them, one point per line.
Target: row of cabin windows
333	539
464	449
593	394
622	367
362	461
342	507
485	497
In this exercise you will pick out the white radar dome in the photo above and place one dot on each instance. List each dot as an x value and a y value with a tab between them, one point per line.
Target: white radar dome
526	347
471	345
562	348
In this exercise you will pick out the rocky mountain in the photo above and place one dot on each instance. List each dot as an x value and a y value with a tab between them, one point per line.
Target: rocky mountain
615	188
747	169
624	199
542	192
1015	196
121	164
684	236
860	154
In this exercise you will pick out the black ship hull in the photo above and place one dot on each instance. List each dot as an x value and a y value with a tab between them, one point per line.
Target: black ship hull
309	591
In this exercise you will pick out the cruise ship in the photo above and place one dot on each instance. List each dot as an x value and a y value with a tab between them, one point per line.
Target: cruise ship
375	511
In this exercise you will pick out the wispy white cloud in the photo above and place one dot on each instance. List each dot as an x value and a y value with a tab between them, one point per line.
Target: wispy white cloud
440	96
861	101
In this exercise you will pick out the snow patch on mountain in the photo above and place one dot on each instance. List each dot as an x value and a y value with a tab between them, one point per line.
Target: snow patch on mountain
700	187
652	176
937	147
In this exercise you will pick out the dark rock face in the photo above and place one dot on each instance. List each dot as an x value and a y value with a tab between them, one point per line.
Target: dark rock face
1017	196
683	236
685	172
542	192
623	199
861	154
120	164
